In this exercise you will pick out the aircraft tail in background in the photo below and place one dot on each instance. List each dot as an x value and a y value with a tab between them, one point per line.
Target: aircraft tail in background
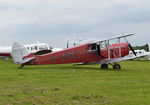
19	52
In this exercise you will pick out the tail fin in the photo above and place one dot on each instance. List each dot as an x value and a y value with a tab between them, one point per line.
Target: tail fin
19	52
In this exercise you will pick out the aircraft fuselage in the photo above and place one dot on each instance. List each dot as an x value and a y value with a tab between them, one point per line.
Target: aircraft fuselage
80	54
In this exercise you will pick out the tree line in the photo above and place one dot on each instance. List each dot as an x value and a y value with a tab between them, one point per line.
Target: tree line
145	47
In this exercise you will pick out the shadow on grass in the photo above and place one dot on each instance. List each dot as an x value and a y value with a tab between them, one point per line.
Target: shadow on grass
66	67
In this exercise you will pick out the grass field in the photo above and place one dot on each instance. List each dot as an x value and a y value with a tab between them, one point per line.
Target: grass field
75	85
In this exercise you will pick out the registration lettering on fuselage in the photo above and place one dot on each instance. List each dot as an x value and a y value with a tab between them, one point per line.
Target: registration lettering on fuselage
65	56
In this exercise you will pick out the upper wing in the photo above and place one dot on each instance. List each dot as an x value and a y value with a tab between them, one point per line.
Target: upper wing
113	38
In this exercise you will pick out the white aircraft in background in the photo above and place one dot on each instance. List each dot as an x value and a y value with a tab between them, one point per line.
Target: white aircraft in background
139	53
38	48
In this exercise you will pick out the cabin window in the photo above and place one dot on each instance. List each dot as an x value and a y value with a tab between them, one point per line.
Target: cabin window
93	46
104	44
140	52
43	47
28	48
34	48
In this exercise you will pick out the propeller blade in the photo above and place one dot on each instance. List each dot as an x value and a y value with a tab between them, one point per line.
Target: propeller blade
131	48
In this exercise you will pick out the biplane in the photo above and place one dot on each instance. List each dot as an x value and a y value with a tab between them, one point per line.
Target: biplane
95	52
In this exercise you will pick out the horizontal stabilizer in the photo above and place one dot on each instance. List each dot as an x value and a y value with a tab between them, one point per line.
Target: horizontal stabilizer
26	60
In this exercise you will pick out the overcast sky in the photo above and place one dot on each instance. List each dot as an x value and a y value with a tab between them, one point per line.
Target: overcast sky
53	21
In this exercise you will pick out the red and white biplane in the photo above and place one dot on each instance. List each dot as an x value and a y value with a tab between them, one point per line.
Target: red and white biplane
95	52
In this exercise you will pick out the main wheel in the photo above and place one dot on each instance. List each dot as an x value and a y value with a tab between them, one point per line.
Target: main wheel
104	66
116	66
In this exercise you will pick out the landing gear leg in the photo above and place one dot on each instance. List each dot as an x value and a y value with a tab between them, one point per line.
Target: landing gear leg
116	66
104	66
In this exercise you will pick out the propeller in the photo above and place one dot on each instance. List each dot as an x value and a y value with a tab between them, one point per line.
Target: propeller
131	48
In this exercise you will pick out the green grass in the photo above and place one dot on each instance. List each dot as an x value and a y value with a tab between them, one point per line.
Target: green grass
75	85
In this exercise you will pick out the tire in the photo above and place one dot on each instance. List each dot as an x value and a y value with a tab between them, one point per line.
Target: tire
104	66
116	66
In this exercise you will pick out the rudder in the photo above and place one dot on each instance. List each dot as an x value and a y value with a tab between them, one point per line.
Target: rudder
18	52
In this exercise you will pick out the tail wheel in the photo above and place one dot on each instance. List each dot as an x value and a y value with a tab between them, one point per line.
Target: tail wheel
116	66
21	66
104	66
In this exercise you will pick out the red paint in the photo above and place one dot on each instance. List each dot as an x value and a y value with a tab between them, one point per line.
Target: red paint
5	54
